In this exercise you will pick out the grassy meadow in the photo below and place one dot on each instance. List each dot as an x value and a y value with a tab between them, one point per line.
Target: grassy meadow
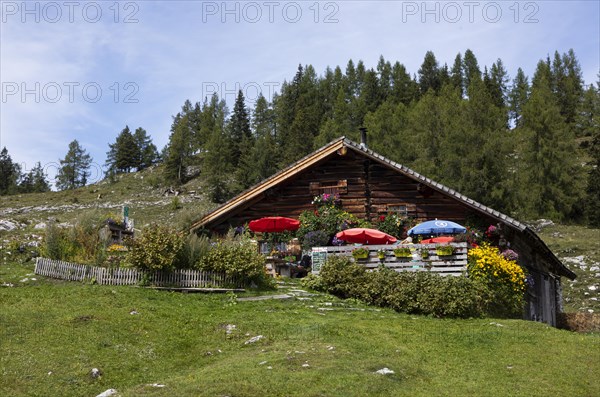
157	343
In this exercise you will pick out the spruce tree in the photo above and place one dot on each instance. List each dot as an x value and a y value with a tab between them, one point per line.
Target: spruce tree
147	154
471	68
74	168
429	74
456	75
9	173
239	129
404	88
552	179
123	154
518	97
34	181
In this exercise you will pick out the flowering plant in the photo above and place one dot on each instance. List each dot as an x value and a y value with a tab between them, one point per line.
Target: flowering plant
510	255
504	282
360	253
393	224
327	199
402	252
316	238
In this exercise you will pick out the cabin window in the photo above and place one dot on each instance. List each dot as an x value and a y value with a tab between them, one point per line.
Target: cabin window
330	187
402	210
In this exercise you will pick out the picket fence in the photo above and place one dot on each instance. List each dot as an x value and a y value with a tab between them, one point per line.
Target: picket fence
185	278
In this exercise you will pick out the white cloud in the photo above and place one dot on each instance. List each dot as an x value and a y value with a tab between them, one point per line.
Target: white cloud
170	54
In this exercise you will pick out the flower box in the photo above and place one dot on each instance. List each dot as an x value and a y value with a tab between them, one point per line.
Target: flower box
444	250
360	253
403	252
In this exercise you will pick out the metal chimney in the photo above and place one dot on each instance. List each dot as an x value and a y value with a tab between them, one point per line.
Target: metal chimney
363	137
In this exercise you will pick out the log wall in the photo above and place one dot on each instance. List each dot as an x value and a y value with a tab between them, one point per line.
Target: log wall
367	190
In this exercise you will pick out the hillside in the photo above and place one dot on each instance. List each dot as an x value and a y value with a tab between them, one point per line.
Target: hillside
577	246
142	192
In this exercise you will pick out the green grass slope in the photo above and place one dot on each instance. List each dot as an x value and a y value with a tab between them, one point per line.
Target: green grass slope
156	343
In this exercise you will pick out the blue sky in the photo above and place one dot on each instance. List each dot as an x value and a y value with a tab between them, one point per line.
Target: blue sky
84	69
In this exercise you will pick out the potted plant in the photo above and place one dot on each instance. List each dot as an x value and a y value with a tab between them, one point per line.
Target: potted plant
402	252
444	250
381	254
424	253
360	253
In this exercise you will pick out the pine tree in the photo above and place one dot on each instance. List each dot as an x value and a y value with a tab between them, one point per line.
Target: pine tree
470	69
429	74
588	120
456	75
497	85
182	144
123	154
9	173
567	84
518	97
404	88
552	179
218	165
239	129
384	71
147	154
592	204
74	170
34	181
264	153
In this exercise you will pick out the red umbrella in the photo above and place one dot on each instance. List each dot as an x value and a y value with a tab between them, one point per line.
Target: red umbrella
445	239
365	236
273	224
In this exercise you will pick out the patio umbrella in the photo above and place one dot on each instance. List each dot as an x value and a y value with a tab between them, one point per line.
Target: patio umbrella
437	227
365	236
445	239
274	224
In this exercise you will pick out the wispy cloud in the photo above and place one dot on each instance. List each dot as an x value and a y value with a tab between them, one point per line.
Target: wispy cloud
170	51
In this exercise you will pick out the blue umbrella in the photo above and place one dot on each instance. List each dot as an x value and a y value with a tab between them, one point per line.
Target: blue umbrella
437	226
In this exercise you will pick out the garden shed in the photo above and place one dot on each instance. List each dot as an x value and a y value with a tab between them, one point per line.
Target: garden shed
370	185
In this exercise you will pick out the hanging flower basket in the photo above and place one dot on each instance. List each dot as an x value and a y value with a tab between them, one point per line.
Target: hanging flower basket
424	253
381	254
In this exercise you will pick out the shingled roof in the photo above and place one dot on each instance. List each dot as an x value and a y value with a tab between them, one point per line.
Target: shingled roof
342	142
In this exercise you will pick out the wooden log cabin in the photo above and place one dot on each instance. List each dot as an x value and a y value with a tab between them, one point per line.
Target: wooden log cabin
370	185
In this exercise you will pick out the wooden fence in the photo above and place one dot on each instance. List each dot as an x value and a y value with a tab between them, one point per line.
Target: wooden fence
177	278
454	264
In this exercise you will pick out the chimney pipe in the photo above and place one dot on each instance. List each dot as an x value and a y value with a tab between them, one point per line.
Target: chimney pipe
363	137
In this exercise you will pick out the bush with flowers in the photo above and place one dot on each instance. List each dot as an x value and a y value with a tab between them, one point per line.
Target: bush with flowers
394	224
328	217
327	199
504	280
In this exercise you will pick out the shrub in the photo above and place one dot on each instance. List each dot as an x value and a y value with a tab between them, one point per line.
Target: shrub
394	224
328	219
158	248
344	278
312	281
194	249
240	260
57	244
408	292
316	238
502	280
